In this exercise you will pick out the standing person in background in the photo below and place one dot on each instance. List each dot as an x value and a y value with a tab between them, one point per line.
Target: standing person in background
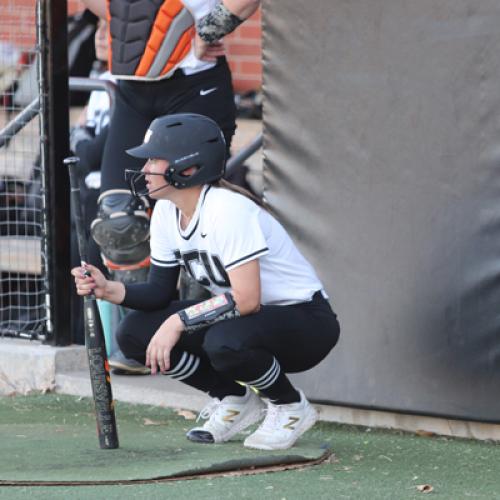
87	140
88	136
167	58
269	316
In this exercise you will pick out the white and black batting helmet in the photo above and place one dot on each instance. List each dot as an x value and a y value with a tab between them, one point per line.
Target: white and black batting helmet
185	140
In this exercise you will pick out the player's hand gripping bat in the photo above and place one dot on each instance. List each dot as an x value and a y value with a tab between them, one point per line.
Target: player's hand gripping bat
94	333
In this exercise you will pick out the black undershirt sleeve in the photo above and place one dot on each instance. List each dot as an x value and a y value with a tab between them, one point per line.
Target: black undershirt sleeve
156	293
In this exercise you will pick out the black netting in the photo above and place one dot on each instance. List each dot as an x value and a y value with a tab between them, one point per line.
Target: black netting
23	309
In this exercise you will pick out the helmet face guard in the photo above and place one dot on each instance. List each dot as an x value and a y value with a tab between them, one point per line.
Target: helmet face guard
185	140
136	182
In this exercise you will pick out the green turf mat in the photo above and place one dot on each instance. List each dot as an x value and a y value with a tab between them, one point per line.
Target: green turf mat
52	438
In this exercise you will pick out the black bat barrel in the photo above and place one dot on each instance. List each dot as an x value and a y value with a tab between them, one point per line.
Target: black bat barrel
94	333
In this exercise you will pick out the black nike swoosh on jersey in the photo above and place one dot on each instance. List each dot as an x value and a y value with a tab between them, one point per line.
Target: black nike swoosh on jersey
203	235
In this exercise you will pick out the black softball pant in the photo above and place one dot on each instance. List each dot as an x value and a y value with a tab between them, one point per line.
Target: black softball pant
138	103
261	346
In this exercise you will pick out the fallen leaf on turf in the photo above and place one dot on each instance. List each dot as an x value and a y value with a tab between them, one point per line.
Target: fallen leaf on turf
423	433
147	421
424	488
332	459
188	415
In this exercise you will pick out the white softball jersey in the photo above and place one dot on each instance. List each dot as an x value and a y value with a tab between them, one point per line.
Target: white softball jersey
227	230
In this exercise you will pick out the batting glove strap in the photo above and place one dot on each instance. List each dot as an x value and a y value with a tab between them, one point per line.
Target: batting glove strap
217	24
206	313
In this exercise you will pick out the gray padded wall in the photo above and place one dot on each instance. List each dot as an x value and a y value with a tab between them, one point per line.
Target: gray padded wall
382	157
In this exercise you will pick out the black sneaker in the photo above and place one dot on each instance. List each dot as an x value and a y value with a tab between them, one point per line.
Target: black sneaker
120	365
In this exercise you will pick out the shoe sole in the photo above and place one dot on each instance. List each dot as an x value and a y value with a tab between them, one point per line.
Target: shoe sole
130	373
307	423
140	370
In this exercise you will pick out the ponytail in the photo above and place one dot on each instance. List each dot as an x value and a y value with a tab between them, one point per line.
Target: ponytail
222	183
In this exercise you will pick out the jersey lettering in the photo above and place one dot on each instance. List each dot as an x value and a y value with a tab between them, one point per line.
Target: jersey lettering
224	282
197	261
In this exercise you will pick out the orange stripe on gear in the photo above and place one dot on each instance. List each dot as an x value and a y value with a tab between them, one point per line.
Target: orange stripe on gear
130	267
171	8
181	51
163	21
108	29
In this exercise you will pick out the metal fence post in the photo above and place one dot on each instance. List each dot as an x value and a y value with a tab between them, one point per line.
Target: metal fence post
54	93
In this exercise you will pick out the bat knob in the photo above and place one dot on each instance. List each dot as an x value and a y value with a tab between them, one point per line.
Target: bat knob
71	160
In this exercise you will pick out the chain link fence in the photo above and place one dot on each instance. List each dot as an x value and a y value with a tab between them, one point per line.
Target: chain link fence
23	289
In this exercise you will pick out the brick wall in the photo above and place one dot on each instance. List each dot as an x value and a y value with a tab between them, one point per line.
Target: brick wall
17	23
243	51
244	54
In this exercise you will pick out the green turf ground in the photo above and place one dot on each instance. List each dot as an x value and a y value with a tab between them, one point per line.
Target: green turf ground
368	464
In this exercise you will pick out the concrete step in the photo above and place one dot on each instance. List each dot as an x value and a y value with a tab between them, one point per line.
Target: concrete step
155	390
27	366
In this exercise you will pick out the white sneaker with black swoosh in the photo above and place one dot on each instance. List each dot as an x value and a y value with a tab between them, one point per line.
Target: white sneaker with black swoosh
283	425
207	91
227	417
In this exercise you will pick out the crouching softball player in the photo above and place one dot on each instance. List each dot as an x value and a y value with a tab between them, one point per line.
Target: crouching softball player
269	313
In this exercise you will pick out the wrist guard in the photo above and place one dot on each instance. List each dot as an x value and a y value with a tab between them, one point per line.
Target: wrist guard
217	24
208	312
